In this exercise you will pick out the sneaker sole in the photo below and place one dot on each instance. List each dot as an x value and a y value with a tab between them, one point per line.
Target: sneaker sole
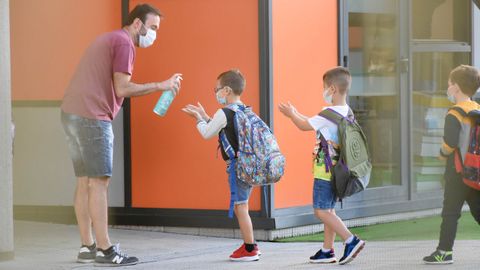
354	253
433	263
85	260
324	261
245	259
113	264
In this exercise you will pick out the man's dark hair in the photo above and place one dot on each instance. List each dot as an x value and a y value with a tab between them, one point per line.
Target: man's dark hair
338	76
141	11
233	79
467	78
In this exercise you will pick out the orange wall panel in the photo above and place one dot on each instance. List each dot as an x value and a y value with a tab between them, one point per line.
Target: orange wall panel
48	37
304	46
172	165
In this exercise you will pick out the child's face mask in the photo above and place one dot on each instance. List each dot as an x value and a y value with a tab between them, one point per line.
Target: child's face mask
451	98
220	99
326	96
450	94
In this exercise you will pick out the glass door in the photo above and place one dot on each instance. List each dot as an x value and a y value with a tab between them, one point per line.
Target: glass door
400	54
440	41
373	50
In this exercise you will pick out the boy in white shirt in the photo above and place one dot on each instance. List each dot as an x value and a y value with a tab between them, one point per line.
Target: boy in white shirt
336	82
229	88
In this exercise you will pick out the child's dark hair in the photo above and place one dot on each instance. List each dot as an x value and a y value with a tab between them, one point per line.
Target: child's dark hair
233	79
338	76
467	78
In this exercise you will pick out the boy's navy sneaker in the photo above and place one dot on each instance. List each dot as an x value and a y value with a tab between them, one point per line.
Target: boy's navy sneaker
352	249
439	257
113	257
87	253
323	257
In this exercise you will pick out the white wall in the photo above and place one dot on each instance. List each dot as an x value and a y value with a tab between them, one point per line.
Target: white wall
6	210
42	170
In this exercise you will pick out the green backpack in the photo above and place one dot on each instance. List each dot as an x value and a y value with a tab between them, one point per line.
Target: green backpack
351	173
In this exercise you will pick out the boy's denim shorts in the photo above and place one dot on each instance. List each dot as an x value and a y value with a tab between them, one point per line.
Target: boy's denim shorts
90	143
323	196
243	189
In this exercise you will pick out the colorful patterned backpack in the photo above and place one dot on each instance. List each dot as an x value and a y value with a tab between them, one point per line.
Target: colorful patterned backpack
259	160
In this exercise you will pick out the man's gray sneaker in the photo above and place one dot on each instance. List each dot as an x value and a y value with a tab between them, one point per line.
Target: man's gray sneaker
87	253
113	257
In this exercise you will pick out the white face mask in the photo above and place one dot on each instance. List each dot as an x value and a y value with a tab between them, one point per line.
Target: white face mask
221	100
328	98
148	39
450	97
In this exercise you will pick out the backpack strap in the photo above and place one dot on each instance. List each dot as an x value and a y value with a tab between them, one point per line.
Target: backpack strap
459	110
334	116
237	106
226	145
232	173
458	162
326	154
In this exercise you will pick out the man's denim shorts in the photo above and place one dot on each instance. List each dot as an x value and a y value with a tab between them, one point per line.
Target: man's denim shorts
243	189
323	196
90	143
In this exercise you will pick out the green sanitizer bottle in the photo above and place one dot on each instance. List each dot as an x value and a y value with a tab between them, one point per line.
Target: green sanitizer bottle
163	103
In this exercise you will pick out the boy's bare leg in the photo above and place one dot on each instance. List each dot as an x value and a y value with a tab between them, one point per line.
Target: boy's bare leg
98	206
329	234
245	223
80	203
331	220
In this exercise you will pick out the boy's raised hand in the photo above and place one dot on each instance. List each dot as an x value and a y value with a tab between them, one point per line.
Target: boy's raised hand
196	111
201	111
287	109
191	112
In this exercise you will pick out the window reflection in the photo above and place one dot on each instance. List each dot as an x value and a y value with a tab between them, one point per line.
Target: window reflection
430	105
441	34
373	47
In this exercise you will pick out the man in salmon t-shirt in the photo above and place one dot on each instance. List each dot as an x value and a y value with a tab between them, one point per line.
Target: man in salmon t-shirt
92	100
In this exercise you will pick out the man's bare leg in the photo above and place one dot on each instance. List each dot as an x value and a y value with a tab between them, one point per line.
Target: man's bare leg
98	207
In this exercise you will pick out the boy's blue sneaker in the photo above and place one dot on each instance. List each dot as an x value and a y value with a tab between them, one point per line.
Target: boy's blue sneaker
352	249
324	257
439	257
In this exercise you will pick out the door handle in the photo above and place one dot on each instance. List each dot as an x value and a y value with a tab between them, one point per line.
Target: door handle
404	63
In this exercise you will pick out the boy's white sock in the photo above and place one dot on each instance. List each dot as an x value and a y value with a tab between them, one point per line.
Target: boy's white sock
326	250
350	239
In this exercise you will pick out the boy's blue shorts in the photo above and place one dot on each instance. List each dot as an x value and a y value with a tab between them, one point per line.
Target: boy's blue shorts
323	196
243	189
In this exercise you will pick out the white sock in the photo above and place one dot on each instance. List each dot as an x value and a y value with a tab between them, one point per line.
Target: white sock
350	239
325	250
